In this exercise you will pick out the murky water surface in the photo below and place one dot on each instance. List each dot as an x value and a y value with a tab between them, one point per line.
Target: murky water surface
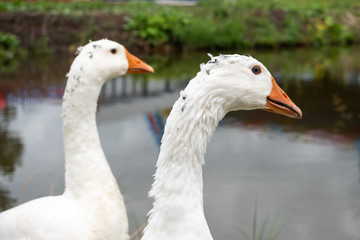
303	175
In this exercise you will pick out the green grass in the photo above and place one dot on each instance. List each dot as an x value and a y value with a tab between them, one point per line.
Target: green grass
204	5
58	7
285	4
222	24
264	233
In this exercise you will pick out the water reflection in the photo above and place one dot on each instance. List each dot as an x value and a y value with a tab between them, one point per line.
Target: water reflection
325	83
130	87
11	148
6	201
156	122
357	146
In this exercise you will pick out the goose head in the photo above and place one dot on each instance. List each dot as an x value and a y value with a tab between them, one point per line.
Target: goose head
244	83
109	59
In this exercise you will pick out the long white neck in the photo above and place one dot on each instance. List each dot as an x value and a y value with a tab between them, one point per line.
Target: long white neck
178	187
86	167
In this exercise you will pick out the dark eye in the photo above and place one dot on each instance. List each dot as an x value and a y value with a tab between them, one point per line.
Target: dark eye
256	69
113	51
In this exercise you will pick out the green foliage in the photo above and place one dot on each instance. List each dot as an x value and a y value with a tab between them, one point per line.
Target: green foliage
229	35
214	24
337	33
58	7
234	24
9	48
323	30
98	5
299	5
197	33
262	31
158	27
291	31
9	45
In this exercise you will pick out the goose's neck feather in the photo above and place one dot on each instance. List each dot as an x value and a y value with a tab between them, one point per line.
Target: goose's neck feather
88	177
178	187
86	166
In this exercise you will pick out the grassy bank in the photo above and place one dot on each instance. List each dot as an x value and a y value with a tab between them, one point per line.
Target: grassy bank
208	25
233	24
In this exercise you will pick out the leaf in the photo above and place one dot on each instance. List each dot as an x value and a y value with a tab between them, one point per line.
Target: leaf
262	230
244	234
254	222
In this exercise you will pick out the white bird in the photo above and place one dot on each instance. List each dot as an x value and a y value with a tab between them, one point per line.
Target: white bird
226	83
91	207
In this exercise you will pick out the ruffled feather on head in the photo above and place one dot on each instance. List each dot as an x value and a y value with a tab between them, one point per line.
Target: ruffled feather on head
78	50
223	60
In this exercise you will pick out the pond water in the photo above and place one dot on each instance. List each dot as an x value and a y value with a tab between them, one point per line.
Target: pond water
303	175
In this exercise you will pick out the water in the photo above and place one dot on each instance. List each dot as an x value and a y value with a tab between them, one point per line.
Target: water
303	175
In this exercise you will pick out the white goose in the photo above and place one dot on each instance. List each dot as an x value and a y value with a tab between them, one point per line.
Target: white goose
92	207
226	83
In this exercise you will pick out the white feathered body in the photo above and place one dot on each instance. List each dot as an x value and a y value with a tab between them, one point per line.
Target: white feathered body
52	211
63	216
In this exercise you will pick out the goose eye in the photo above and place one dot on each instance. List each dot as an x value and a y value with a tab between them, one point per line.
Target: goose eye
256	69
113	51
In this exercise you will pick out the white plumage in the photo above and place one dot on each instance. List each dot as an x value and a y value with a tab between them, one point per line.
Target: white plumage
226	83
92	207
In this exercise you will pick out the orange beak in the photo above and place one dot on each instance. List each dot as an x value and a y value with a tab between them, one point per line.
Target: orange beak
136	65
279	102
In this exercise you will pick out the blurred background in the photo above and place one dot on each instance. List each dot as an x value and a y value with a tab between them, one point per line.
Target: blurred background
302	176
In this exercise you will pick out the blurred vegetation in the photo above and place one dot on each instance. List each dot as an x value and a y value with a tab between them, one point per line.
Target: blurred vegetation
9	45
157	27
81	7
272	233
224	24
9	49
